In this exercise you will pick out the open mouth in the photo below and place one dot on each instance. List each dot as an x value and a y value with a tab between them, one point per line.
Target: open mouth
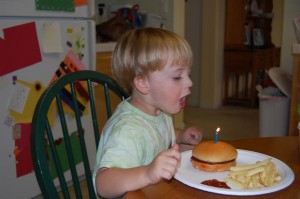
182	102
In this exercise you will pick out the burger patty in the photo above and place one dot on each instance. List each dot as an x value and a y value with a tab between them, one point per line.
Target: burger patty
212	163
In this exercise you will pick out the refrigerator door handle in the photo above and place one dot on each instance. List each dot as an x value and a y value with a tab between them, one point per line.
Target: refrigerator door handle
92	46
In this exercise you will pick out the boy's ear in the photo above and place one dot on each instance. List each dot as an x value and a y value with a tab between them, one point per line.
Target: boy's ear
141	84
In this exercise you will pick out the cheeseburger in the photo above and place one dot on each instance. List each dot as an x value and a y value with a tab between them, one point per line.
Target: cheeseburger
210	156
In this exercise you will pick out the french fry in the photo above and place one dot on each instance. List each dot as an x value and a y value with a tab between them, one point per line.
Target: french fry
236	183
237	173
251	172
270	175
251	166
254	176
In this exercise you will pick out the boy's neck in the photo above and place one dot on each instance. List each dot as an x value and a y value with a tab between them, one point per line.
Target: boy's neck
143	106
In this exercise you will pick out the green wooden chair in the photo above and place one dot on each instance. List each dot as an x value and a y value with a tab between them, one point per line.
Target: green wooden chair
58	153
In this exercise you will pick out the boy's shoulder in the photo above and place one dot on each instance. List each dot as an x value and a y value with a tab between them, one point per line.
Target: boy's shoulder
128	115
124	113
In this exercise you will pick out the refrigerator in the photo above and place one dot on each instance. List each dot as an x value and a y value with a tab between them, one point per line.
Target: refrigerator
36	37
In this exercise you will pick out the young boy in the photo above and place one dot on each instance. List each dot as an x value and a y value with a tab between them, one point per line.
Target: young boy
139	145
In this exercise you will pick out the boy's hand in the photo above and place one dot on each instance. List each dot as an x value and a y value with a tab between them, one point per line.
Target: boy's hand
164	166
191	136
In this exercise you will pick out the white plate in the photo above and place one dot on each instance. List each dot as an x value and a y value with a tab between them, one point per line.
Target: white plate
192	177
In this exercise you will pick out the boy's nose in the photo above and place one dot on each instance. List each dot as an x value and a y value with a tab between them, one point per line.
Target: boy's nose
189	82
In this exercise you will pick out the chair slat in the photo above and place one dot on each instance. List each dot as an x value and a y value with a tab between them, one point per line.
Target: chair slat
107	100
56	160
76	183
82	143
67	141
93	112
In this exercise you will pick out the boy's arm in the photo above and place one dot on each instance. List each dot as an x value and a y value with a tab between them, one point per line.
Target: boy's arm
114	182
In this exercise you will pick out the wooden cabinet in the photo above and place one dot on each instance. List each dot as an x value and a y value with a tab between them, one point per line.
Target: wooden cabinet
103	62
243	57
235	23
295	98
240	24
103	65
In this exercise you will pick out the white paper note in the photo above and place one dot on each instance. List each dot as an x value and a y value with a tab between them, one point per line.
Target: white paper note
18	98
52	42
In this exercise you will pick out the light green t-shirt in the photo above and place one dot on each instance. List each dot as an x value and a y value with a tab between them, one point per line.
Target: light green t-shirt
133	138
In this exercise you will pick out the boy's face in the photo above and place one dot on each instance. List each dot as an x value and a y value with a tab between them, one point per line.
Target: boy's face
169	88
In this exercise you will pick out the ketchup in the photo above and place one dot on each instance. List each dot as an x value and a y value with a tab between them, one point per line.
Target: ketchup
215	183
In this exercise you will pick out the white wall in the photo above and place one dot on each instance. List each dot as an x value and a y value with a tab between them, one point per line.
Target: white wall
277	20
212	38
193	33
291	10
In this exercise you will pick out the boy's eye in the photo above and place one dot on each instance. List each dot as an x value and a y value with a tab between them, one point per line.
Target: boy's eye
177	78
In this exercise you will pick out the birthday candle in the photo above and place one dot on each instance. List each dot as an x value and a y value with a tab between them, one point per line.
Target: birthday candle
216	135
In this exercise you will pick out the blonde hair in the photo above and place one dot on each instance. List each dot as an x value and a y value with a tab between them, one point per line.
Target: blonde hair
141	51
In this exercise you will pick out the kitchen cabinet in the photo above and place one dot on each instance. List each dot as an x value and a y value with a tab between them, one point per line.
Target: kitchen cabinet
295	97
103	65
246	55
103	62
241	24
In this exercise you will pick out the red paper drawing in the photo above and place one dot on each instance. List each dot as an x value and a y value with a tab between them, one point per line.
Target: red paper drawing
22	151
80	2
72	63
19	48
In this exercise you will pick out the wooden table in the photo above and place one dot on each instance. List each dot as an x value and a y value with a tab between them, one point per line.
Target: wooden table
285	149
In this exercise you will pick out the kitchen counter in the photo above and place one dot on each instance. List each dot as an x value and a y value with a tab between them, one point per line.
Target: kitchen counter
105	47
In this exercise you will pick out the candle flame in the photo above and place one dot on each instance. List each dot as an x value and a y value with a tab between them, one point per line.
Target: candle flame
218	129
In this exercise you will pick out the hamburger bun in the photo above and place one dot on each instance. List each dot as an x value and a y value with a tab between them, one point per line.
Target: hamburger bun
211	157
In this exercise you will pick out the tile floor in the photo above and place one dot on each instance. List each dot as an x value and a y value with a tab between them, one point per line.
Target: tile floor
236	122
